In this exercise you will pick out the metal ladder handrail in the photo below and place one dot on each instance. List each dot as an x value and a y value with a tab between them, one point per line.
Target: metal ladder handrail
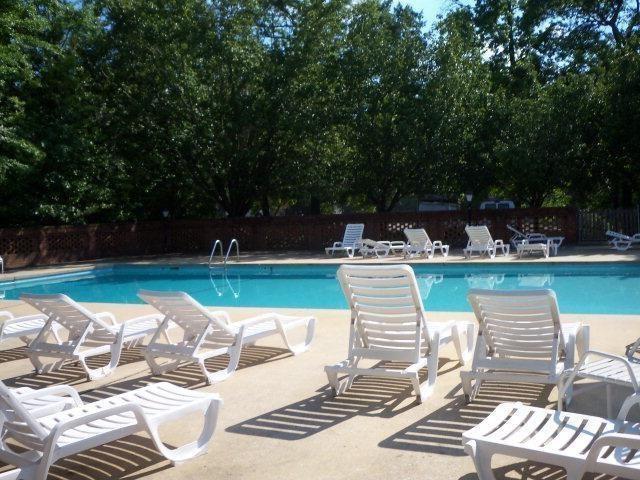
226	258
213	252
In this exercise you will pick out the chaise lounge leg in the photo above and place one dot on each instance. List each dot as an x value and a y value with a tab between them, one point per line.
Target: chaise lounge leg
482	460
95	373
470	333
234	359
298	348
193	449
160	368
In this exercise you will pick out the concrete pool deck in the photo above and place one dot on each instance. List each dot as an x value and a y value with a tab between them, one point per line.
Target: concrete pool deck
278	420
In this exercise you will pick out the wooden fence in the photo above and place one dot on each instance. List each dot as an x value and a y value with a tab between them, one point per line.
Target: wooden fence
592	225
51	245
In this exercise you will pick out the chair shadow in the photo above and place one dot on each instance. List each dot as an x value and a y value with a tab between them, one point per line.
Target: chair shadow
12	354
187	376
368	396
441	431
533	471
72	373
132	457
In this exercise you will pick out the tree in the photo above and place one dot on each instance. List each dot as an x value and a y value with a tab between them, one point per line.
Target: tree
383	76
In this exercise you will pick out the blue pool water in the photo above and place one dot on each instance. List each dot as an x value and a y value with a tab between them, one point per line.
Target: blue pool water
581	288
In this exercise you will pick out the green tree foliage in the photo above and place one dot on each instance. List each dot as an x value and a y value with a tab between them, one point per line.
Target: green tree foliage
122	109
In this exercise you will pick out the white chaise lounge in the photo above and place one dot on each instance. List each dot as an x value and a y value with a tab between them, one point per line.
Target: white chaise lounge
34	438
578	443
380	249
72	333
480	242
205	334
622	242
419	243
388	324
607	368
351	241
25	327
521	339
532	242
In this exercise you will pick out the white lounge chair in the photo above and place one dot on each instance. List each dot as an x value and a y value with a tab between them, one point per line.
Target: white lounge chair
607	368
535	281
206	334
34	439
530	239
25	327
578	443
1	265
622	242
480	242
84	334
535	247
380	248
388	323
521	339
419	243
487	281
351	241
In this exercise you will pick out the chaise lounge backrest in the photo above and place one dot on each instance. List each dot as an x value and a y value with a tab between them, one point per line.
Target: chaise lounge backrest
76	319
19	424
199	326
387	315
417	237
479	236
521	329
352	234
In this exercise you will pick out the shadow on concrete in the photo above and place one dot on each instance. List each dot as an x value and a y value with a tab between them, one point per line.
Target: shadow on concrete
368	396
533	471
441	431
11	354
188	376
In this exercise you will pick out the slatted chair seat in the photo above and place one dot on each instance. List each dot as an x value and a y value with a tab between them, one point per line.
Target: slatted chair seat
575	442
606	368
388	323
520	338
201	334
25	327
72	333
48	433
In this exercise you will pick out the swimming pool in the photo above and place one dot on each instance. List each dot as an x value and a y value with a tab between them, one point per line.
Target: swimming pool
581	288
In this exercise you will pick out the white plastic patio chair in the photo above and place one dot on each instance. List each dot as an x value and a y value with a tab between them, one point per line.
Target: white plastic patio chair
419	243
351	241
84	334
25	327
578	443
487	281
33	440
605	368
622	242
520	238
480	242
521	339
388	324
381	248
205	334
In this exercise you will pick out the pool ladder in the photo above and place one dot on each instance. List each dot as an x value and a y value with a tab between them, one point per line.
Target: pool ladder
224	259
